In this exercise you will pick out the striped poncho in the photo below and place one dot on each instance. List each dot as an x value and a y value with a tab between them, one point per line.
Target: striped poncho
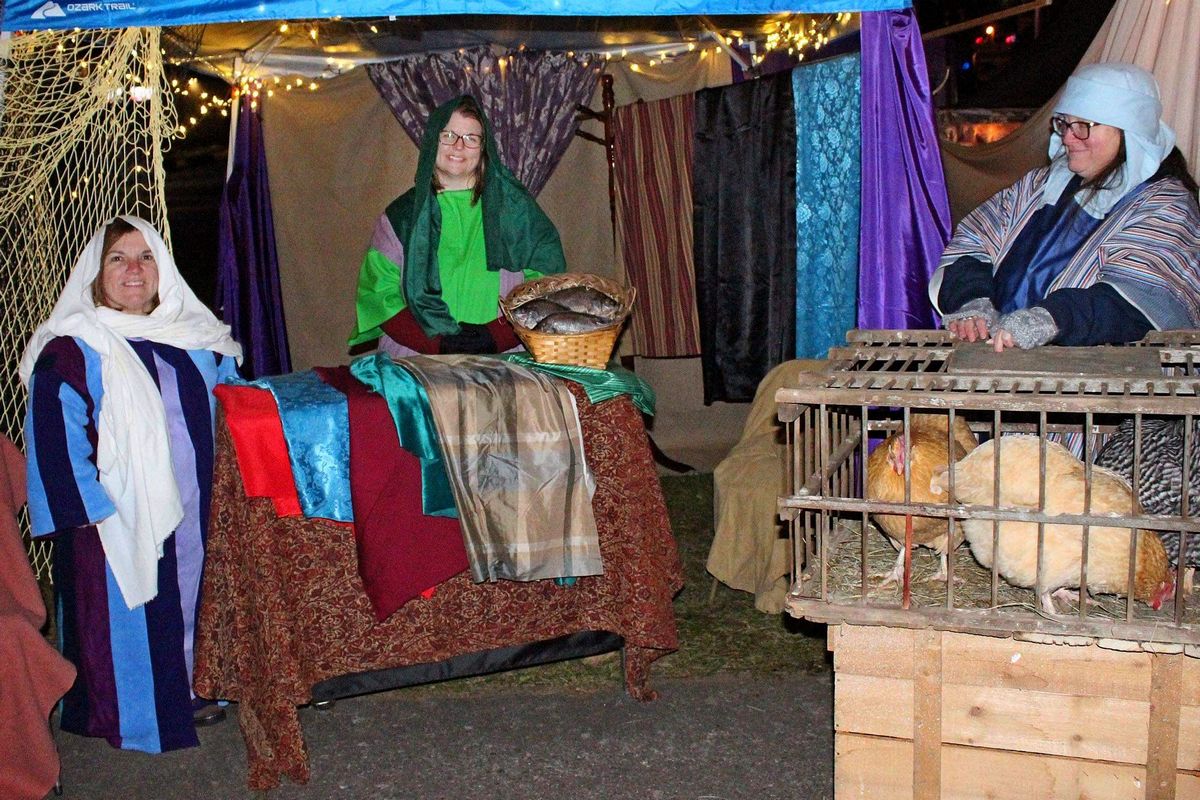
1147	248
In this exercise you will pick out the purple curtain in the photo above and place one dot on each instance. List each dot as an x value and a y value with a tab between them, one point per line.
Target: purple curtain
248	296
905	209
529	98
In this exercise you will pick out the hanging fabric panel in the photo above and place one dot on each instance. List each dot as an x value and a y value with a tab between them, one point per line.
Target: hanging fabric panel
653	153
827	207
905	210
248	295
529	98
744	198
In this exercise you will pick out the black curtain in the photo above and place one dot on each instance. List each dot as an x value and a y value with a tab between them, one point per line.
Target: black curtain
744	189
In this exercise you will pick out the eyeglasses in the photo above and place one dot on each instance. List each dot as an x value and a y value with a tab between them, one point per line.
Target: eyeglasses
1082	130
469	140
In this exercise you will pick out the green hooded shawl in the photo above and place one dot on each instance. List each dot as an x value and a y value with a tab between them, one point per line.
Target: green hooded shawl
517	233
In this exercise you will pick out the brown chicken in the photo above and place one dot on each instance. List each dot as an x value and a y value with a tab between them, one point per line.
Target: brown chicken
1016	554
927	458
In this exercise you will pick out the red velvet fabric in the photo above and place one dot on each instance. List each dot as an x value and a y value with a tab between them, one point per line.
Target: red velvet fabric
401	551
262	455
33	676
404	329
284	606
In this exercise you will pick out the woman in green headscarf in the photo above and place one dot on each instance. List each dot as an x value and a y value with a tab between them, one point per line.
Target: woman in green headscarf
445	251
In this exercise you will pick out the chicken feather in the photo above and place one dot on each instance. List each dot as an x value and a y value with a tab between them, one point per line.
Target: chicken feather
928	456
1065	483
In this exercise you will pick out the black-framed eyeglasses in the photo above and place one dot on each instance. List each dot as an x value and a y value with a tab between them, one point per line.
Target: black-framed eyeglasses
469	140
1079	128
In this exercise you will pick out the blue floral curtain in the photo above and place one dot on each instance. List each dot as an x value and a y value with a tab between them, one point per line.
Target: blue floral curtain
827	202
529	97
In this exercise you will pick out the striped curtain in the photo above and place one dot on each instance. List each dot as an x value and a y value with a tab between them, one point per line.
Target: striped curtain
653	153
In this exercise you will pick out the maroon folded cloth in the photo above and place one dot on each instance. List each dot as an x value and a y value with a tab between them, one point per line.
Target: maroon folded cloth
33	675
401	552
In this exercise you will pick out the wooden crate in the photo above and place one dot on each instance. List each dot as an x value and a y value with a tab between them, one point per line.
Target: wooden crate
922	714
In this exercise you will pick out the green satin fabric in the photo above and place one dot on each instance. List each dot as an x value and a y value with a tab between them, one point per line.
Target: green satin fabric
598	384
409	406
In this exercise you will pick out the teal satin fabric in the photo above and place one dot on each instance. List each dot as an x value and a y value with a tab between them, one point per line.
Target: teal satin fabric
410	410
316	426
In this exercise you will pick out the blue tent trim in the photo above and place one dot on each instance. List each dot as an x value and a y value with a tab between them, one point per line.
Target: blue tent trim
21	15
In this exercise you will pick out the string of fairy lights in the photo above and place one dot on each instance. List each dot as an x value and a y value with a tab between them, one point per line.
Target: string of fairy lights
796	35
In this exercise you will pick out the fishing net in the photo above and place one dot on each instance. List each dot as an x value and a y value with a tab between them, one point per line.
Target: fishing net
84	119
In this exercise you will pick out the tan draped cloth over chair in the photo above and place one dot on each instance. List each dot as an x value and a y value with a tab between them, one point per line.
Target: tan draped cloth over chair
33	676
750	548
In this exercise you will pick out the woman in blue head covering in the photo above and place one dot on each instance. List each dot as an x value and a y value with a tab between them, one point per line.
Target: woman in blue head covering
1100	247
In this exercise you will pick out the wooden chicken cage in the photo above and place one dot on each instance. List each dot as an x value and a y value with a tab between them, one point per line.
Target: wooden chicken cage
966	687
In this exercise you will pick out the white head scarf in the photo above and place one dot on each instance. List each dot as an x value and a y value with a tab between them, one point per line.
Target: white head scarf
132	456
1126	97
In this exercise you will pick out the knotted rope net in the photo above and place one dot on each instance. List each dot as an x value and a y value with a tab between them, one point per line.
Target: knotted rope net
84	119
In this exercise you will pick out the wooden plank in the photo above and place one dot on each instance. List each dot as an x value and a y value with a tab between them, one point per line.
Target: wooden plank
1189	738
871	768
1163	733
927	715
1098	728
1190	694
877	706
969	773
874	650
1061	669
1187	785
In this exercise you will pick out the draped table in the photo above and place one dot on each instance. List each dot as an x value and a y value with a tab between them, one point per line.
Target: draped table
284	612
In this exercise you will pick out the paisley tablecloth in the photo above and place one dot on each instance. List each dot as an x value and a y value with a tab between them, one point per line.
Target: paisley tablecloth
283	606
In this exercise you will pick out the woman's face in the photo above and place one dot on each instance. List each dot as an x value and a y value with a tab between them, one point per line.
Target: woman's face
129	275
1088	157
456	163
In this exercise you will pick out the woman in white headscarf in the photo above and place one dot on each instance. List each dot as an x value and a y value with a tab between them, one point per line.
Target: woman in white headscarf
119	442
1100	247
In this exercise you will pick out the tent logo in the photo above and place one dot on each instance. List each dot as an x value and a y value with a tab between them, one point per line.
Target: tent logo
49	9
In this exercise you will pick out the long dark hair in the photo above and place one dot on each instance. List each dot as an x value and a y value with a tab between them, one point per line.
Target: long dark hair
1175	166
469	107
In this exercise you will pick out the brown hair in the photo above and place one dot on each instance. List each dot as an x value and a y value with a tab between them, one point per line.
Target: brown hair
469	107
115	230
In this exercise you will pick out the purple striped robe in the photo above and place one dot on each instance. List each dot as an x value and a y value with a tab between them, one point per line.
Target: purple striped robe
135	666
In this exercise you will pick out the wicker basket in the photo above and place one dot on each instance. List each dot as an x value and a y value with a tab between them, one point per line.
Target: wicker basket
591	349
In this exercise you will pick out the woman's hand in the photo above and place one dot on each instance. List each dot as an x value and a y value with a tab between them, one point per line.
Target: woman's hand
974	322
1024	328
1001	341
969	329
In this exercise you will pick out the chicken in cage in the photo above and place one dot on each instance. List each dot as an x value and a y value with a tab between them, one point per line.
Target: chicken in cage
930	486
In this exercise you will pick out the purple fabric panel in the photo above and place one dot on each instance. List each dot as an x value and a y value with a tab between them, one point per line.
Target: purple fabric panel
529	99
248	295
187	541
905	209
90	707
384	240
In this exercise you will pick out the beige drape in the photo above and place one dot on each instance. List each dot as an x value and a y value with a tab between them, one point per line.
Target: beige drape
750	549
1164	37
